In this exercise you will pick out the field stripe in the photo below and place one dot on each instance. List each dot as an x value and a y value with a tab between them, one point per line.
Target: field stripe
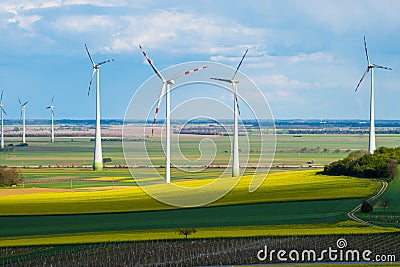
341	228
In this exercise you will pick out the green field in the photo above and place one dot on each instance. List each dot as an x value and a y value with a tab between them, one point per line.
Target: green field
389	214
78	151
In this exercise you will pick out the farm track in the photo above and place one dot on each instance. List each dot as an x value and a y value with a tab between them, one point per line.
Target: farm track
352	215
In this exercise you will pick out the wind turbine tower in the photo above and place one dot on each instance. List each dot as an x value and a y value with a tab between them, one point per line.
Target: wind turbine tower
23	106
371	66
98	153
236	113
51	107
3	112
165	89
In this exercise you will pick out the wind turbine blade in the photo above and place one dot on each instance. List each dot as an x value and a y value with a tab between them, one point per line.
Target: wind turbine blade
48	107
240	63
381	67
237	104
91	80
52	112
365	73
223	80
52	100
187	72
151	64
162	92
1	98
105	61
87	50
4	111
25	103
19	100
366	50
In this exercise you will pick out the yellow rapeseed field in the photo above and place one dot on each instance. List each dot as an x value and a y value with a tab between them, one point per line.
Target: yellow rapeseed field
283	186
343	228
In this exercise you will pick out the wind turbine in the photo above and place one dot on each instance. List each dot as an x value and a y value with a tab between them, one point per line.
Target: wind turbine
51	107
23	119
370	66
3	111
236	113
98	154
165	90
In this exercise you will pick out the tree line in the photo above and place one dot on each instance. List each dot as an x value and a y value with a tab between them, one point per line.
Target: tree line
381	164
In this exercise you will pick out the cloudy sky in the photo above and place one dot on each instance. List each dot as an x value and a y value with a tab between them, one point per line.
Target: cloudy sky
305	56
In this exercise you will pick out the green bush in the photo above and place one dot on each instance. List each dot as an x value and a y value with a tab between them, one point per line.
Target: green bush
9	176
382	164
366	207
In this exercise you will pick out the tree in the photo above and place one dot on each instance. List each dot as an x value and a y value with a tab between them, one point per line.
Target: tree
9	176
384	203
366	207
381	164
186	231
392	169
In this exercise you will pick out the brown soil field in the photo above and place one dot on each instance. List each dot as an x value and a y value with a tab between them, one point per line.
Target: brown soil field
35	190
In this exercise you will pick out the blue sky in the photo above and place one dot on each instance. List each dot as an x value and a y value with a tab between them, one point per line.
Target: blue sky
306	56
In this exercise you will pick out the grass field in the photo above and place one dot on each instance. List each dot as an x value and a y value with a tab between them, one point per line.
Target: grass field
386	208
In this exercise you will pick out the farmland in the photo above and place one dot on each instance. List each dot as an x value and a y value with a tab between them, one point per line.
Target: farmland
65	202
295	202
200	251
290	150
278	187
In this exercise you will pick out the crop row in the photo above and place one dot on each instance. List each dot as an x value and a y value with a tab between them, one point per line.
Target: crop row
196	252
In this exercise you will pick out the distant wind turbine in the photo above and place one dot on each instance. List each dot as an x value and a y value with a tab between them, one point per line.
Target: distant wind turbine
98	154
51	107
3	112
165	89
371	144
23	119
236	113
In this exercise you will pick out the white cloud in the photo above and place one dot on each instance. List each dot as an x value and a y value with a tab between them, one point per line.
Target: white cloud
85	24
280	81
318	57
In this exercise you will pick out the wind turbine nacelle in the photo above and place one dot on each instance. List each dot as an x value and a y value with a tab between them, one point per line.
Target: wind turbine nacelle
235	81
171	82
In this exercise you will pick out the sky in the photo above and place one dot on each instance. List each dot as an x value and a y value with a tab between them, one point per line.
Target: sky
305	56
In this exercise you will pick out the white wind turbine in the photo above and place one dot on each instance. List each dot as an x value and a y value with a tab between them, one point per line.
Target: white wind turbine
3	112
370	66
165	89
236	113
98	154
51	107
23	119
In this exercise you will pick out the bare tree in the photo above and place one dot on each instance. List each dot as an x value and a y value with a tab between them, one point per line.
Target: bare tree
186	231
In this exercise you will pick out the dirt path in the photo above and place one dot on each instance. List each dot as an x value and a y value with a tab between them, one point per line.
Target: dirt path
352	215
